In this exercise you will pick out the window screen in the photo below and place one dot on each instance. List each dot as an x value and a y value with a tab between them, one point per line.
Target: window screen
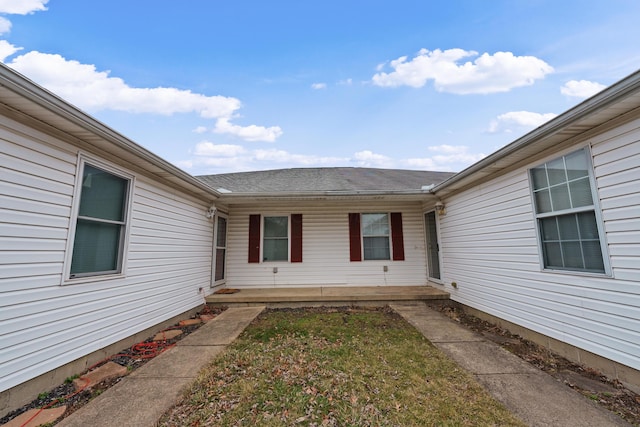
100	224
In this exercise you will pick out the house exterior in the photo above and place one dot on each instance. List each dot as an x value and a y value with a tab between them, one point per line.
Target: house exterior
101	240
335	226
544	235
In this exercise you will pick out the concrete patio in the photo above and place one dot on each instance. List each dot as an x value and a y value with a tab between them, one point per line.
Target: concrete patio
328	296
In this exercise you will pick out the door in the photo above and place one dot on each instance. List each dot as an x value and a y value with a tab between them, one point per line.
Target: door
433	249
221	249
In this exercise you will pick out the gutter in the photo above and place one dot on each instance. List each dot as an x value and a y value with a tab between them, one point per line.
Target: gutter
331	193
601	100
26	88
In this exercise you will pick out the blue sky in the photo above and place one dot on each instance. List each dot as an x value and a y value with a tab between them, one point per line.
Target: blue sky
218	87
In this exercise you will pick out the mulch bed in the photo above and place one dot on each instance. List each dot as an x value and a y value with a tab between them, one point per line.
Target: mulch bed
609	393
65	394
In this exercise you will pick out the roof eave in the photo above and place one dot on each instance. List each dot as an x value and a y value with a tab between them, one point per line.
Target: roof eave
27	89
316	195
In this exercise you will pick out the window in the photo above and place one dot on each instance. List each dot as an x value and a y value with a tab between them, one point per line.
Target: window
100	223
276	238
566	214
376	236
221	248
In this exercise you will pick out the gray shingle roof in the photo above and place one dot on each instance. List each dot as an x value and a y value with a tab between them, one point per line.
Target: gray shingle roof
343	179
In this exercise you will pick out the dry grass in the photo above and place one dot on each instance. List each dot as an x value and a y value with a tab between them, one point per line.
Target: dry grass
335	368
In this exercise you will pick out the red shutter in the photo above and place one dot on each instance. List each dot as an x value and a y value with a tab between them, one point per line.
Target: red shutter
397	238
296	237
355	244
254	238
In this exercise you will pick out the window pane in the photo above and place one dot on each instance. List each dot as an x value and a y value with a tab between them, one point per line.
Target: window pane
581	193
375	225
276	226
572	254
576	164
593	256
220	254
549	229
570	240
103	195
543	201
275	250
376	248
568	225
555	170
560	197
588	226
96	247
221	239
552	255
539	176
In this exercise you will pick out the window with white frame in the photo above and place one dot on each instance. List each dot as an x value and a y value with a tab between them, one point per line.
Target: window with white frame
375	236
100	223
568	225
275	238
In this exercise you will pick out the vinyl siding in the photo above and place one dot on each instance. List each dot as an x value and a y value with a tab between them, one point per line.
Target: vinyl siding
325	248
44	324
489	247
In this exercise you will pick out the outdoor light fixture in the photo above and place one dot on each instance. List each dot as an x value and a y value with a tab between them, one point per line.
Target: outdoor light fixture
211	212
440	208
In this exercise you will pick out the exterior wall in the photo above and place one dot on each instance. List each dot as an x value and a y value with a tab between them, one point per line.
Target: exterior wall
490	249
45	324
325	248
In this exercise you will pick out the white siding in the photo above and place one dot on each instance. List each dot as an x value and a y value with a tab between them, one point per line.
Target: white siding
44	325
489	247
325	245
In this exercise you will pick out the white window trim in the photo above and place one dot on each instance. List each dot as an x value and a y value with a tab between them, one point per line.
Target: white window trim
262	228
604	247
388	236
440	281
83	159
215	282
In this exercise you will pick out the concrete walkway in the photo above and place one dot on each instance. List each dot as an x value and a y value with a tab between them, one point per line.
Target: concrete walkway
532	395
140	399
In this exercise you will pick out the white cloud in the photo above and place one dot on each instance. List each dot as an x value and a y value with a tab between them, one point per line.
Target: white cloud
7	49
281	156
368	158
248	133
318	86
200	129
211	158
18	7
221	158
451	158
499	72
22	7
206	148
5	25
84	86
581	89
346	82
88	88
449	149
520	120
